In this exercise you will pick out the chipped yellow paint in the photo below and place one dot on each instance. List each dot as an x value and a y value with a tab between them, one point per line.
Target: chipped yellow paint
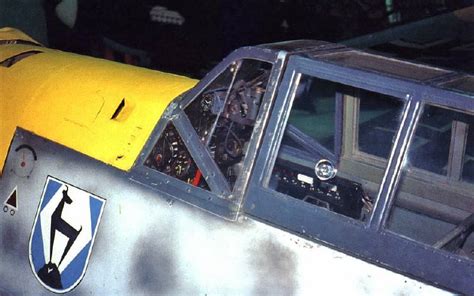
71	99
8	33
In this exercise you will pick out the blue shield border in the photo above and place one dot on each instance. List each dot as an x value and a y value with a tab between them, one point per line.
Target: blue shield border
75	271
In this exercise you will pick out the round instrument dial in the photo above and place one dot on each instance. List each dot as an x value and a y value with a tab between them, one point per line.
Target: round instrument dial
24	161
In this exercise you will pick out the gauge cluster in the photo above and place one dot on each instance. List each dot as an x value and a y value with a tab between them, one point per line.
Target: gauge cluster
223	116
337	195
170	156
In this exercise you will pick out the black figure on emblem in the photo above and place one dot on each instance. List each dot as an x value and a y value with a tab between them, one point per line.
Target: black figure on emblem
49	273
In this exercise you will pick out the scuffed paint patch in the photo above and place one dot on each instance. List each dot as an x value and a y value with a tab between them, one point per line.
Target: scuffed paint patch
303	243
11	241
215	223
154	269
5	292
275	268
364	289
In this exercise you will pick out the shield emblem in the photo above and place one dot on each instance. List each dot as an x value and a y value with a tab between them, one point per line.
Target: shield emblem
63	234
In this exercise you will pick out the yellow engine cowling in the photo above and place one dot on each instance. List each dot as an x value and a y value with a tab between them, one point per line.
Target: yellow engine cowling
103	109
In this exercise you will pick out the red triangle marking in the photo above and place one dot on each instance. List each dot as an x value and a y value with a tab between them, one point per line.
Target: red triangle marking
11	200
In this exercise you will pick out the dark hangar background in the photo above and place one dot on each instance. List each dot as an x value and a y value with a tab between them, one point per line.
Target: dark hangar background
189	37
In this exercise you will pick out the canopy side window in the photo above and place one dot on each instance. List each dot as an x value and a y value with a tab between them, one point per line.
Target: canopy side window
434	202
224	114
377	118
210	137
371	122
314	102
313	166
